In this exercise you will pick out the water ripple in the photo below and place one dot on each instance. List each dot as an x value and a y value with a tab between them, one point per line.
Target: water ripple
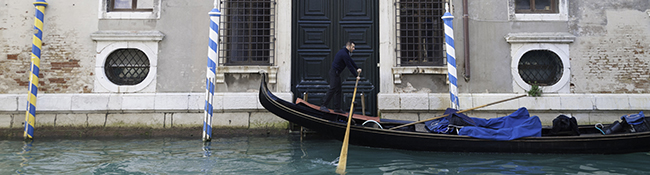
284	155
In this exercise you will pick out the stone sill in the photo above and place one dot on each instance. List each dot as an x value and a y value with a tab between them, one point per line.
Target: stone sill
222	70
112	35
394	102
158	102
399	71
543	37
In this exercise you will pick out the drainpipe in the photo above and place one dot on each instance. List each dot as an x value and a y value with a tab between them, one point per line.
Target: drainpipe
466	40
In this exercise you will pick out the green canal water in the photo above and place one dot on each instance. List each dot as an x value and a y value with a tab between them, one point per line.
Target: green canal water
283	155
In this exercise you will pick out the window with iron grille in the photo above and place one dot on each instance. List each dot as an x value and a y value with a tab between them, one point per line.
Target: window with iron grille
247	32
126	66
419	30
540	67
130	5
536	6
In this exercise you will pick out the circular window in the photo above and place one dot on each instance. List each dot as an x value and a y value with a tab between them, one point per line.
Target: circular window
126	66
540	67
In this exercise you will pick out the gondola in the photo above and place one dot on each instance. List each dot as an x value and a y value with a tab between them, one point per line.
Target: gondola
334	125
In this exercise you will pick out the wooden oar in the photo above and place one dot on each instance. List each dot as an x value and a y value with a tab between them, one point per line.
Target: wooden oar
409	124
343	158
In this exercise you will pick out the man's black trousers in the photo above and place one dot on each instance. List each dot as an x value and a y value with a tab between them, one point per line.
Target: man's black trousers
334	92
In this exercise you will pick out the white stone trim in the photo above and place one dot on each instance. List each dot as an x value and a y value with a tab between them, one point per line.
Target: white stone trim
541	37
562	15
404	102
109	41
283	34
387	46
105	14
386	102
222	70
558	43
106	102
399	71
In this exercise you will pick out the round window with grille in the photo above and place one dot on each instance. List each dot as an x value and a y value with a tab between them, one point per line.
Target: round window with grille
540	67
127	66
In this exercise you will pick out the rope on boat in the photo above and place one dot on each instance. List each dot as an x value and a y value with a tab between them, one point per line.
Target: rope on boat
601	125
364	123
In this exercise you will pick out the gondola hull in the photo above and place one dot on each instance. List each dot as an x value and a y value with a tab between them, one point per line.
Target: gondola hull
334	125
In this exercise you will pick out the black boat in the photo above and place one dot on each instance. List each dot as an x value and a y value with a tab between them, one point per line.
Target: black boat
591	141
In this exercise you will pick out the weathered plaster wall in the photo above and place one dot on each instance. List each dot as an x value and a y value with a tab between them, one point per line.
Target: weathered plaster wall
610	52
184	51
67	60
490	58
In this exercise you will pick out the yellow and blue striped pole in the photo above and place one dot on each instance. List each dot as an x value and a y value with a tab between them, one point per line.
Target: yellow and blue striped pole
37	42
213	50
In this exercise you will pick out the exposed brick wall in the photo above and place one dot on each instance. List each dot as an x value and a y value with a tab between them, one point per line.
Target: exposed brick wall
68	53
61	69
610	54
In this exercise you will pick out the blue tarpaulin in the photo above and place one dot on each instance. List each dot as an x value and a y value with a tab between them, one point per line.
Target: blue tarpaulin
516	125
634	119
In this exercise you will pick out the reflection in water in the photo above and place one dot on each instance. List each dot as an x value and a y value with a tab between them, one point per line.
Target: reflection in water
206	149
25	156
283	155
207	163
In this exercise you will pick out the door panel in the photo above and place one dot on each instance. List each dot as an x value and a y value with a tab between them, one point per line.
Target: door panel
314	36
322	28
361	34
314	10
357	10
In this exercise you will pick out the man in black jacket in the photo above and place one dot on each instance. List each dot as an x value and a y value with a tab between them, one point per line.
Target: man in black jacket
341	60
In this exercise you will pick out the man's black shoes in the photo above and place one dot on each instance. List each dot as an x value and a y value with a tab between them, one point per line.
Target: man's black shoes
324	109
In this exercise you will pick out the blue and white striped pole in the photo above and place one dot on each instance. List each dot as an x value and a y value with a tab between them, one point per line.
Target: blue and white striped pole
447	18
213	51
37	43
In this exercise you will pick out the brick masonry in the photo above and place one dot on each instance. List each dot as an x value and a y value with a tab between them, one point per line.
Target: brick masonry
67	57
610	55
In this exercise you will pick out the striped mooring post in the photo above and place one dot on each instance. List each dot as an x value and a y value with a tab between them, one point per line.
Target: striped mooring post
213	51
447	18
37	43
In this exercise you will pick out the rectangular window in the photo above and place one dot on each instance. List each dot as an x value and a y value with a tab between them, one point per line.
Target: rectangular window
419	30
248	32
536	6
130	5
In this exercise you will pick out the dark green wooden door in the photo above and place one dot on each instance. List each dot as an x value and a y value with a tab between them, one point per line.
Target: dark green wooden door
320	29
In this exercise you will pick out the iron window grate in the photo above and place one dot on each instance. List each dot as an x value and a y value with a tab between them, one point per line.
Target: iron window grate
536	6
248	31
540	67
126	6
419	30
127	66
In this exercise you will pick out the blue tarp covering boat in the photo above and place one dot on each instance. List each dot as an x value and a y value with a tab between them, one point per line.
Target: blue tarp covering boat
516	125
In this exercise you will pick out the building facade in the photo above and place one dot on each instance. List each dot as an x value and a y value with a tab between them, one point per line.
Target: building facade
135	63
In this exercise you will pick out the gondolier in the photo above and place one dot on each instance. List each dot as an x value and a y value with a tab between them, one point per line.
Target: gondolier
340	62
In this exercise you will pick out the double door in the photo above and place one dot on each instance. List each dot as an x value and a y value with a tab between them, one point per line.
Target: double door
320	30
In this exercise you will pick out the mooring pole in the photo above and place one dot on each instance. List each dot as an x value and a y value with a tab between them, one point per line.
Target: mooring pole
213	51
447	18
37	43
